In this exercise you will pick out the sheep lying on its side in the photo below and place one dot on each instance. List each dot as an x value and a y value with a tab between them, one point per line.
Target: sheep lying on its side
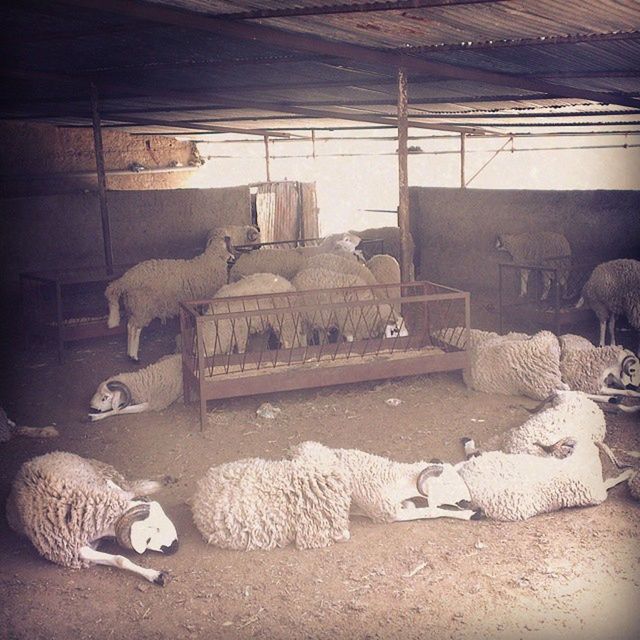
153	388
287	262
614	289
222	335
541	248
323	277
602	372
154	288
66	505
8	429
521	481
264	504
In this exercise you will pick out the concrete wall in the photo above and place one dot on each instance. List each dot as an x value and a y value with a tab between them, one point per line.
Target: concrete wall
455	229
64	231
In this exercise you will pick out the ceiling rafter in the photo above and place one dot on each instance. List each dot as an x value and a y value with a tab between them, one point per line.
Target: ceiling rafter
310	44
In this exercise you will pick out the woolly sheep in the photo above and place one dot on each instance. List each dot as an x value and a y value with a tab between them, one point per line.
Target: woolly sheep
391	244
154	288
613	289
332	272
8	429
66	505
263	504
222	335
153	388
521	482
540	248
602	372
306	500
287	262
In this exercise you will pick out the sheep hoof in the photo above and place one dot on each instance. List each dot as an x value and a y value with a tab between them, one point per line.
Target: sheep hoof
135	360
478	515
463	504
162	579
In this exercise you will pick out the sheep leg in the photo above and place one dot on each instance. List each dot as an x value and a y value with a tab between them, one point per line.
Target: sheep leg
524	279
133	340
429	513
612	329
616	480
93	556
135	408
546	285
603	324
611	399
628	393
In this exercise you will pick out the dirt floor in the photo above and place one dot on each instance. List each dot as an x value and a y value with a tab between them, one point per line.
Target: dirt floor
570	574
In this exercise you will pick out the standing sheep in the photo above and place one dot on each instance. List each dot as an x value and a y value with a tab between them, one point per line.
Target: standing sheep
287	262
66	505
153	388
540	248
614	289
154	288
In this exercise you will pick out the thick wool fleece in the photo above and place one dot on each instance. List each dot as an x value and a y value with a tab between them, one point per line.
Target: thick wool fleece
519	486
535	247
390	237
221	335
584	366
159	384
263	504
514	364
62	502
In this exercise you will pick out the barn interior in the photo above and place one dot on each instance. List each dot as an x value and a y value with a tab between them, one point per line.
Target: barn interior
112	113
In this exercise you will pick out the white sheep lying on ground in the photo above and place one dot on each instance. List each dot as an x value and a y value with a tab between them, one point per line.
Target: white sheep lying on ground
602	372
287	262
613	289
222	335
264	504
539	248
521	481
154	288
9	429
323	277
153	388
66	505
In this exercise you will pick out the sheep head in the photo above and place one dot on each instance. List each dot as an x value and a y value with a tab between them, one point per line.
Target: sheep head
146	526
110	396
442	485
625	373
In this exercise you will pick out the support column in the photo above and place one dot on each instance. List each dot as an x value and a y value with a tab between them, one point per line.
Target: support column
403	176
266	157
463	138
102	180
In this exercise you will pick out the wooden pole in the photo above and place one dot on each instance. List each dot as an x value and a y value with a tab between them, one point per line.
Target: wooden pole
102	180
266	157
463	182
403	176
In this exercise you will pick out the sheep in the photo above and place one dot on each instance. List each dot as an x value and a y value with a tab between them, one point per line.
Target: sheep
307	499
8	429
391	244
323	277
514	363
520	481
287	262
539	248
66	505
153	388
613	288
221	335
263	504
602	372
154	288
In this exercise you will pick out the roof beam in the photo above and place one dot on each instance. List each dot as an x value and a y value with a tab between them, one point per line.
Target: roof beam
367	7
310	44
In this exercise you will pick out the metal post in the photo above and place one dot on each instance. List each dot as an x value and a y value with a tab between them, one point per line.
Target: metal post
313	143
266	156
102	180
403	176
463	137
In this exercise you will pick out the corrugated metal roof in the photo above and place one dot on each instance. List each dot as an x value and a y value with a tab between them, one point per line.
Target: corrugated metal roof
145	64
